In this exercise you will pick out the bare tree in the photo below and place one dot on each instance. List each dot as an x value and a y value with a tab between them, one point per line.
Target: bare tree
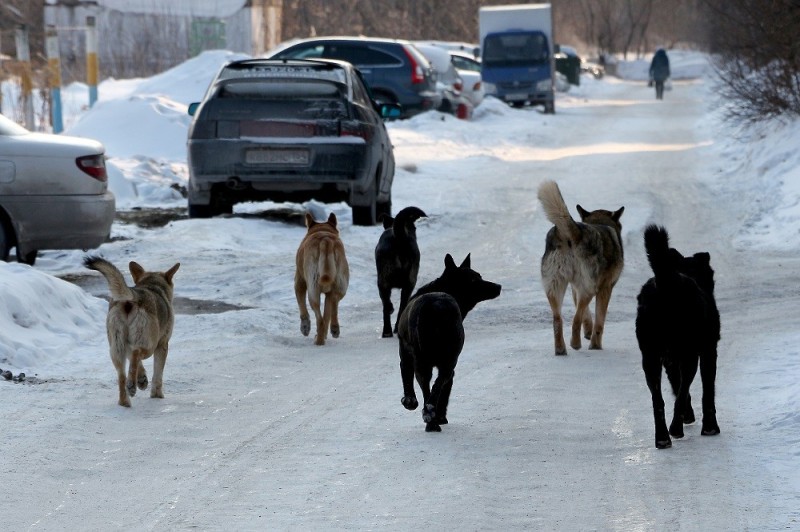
757	56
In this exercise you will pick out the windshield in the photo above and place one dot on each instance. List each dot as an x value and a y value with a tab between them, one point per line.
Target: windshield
515	49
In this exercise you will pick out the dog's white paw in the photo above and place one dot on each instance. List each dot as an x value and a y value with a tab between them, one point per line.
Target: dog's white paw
305	326
335	331
131	387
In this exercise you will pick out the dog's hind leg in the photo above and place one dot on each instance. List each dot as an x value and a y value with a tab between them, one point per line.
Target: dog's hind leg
444	400
322	330
431	411
405	293
688	369
409	399
141	379
555	291
651	364
581	310
601	309
300	289
674	375
386	300
133	370
118	359
159	360
708	374
331	316
587	317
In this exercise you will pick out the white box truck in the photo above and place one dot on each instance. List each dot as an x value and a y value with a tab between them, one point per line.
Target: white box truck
517	62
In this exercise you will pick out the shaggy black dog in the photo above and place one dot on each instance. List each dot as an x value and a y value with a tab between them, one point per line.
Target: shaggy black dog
431	336
677	324
397	261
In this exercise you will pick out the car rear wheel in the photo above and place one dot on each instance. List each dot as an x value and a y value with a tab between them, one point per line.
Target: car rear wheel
5	241
212	209
28	258
365	214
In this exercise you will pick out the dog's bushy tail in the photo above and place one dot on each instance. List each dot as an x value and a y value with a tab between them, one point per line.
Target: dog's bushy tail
326	264
556	210
116	282
656	244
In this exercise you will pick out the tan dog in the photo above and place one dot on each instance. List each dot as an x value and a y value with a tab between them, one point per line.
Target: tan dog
139	324
588	256
321	269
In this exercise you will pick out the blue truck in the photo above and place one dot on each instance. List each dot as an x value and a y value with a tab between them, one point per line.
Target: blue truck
517	56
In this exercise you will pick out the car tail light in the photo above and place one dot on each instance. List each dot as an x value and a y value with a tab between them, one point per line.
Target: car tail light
204	129
458	85
94	165
353	129
417	72
477	86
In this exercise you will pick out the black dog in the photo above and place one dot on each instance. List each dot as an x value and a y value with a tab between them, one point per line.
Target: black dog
677	324
397	261
431	335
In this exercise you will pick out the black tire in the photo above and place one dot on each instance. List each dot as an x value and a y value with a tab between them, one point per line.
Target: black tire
549	108
365	214
28	258
214	208
5	241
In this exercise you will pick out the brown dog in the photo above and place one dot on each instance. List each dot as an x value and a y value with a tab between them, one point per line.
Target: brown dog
321	269
139	324
588	256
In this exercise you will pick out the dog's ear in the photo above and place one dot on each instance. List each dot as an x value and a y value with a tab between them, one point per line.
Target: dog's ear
136	271
309	220
449	263
618	214
171	272
467	262
332	219
583	212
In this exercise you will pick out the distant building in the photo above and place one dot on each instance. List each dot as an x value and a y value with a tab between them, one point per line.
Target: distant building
143	37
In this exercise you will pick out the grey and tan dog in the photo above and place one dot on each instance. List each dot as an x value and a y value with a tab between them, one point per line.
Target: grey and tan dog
586	255
139	324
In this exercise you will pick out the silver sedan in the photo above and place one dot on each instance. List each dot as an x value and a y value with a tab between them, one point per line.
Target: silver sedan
53	192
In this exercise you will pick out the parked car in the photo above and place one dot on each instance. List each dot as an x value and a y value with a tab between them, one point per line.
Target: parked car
395	71
568	62
448	82
469	68
53	193
290	130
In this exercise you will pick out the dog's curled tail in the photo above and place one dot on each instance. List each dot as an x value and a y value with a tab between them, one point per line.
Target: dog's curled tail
116	282
326	264
556	210
400	224
656	245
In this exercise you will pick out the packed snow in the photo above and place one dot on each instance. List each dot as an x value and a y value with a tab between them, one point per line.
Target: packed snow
260	429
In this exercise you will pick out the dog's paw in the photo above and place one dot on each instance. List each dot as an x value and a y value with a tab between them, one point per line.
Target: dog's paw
335	330
433	427
387	333
131	387
710	427
305	325
688	416
441	420
428	413
319	340
410	402
676	428
124	402
141	381
663	443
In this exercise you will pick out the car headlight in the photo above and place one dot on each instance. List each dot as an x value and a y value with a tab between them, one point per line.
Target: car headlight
489	88
544	85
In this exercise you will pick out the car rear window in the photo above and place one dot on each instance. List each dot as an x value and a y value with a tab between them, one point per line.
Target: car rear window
281	89
279	100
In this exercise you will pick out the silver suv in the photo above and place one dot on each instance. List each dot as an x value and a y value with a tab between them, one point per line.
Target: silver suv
290	130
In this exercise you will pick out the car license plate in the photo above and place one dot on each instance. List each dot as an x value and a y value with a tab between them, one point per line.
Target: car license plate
276	156
516	96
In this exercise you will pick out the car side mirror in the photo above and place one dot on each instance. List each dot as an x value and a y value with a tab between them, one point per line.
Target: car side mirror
390	110
193	108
